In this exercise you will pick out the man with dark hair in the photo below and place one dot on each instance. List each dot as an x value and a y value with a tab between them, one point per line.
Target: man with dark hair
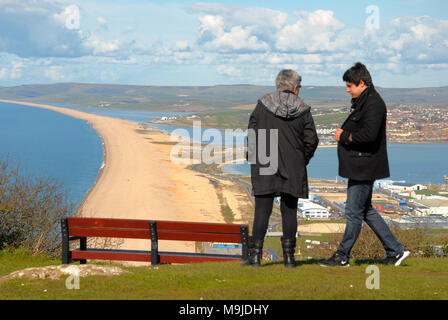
282	127
362	153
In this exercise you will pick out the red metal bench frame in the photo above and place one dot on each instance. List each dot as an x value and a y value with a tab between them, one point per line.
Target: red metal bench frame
81	228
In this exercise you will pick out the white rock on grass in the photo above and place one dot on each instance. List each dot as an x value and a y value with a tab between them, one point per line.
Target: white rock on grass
55	272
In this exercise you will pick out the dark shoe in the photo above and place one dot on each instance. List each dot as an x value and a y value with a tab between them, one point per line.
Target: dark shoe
335	260
255	253
289	247
399	258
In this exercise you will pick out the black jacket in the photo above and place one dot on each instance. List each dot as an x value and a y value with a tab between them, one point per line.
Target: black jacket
362	149
297	141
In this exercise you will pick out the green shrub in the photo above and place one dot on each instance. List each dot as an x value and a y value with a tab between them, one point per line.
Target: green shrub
368	246
30	210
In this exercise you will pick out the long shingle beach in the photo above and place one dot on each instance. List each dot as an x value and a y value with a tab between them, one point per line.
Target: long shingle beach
139	181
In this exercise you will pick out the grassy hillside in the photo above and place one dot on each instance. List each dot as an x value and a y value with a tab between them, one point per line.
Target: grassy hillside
417	278
198	98
238	119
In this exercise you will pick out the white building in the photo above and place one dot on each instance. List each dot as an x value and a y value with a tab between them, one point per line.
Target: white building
307	208
405	187
434	205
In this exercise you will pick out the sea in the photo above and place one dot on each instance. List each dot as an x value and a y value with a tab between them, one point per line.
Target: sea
410	163
49	144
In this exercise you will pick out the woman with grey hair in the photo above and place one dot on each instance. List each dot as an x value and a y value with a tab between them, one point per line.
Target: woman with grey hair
282	125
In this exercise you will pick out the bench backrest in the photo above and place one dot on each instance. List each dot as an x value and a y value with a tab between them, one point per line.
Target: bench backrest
166	230
197	231
108	228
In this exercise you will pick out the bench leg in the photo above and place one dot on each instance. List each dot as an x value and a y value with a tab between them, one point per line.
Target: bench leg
154	243
83	246
66	254
245	242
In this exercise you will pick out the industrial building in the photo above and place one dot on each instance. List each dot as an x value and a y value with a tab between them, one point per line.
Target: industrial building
307	208
432	206
405	187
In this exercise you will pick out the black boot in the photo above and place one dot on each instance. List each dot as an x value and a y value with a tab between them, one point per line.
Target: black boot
255	252
289	247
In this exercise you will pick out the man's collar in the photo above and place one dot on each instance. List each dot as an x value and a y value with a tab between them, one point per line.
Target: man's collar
361	98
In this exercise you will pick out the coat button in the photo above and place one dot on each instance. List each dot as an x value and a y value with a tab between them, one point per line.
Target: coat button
360	154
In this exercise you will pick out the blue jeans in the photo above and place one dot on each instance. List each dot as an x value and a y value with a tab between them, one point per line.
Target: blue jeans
358	209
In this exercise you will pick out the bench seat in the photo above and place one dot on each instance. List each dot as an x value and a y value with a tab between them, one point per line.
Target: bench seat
145	256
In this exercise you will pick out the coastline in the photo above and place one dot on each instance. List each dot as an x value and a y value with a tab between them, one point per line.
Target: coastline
100	173
139	181
64	111
173	123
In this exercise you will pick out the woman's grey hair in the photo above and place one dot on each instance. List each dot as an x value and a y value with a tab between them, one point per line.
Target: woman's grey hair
287	79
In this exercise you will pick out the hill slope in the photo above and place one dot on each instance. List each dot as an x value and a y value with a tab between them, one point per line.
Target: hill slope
417	278
197	98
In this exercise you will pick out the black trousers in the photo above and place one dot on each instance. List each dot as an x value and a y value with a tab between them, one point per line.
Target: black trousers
263	210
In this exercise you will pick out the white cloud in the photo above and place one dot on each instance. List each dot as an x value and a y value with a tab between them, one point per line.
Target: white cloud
16	70
182	46
411	40
316	40
313	32
238	39
226	28
3	73
41	29
37	29
213	24
243	16
101	21
229	71
54	73
99	47
108	76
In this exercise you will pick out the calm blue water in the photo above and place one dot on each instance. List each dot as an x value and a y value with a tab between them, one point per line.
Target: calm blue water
49	144
200	135
413	163
134	116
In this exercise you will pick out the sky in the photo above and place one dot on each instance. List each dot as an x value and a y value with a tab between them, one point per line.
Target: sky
181	43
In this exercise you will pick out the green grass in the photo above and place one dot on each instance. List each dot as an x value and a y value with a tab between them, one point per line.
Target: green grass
417	278
429	193
16	259
229	119
238	119
330	118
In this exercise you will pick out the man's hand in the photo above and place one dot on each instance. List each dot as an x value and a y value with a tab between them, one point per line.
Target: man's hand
337	135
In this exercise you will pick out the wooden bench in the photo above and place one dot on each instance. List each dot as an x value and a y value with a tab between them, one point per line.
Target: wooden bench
83	228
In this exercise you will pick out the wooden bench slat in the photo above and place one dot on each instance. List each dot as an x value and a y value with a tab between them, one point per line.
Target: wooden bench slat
110	233
198	227
175	258
92	254
108	223
187	236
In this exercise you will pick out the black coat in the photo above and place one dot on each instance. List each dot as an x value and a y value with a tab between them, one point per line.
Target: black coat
362	149
297	141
